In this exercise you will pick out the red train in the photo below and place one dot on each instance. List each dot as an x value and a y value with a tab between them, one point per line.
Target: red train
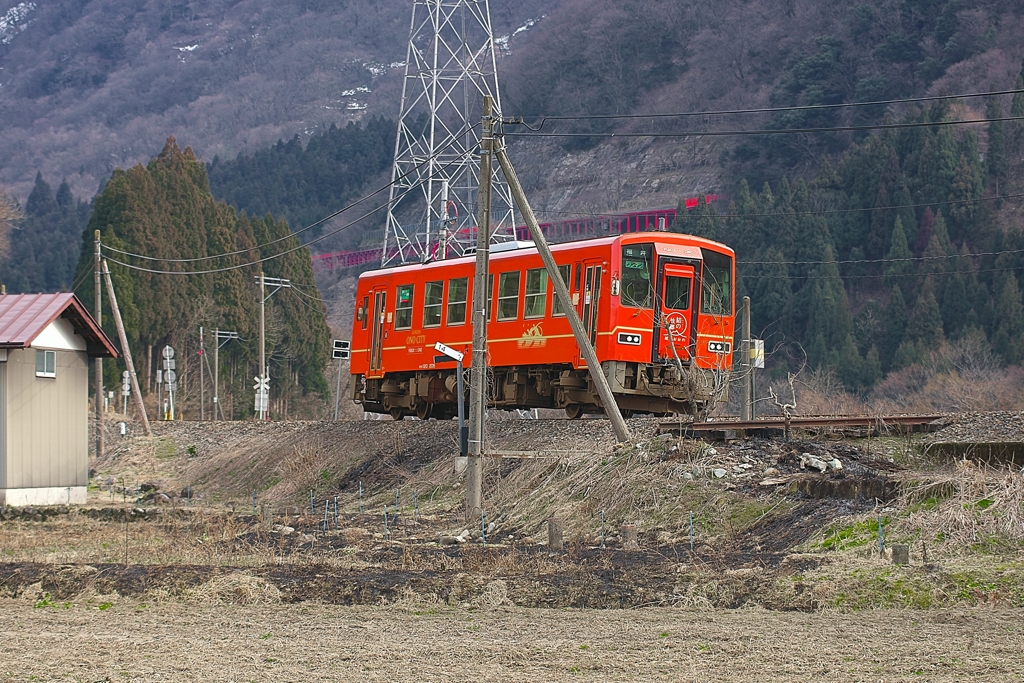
659	307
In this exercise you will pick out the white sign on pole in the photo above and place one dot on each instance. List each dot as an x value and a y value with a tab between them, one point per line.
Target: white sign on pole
342	349
757	353
168	352
171	377
159	376
449	351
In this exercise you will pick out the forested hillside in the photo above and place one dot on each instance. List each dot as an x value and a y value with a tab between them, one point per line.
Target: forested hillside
165	211
305	184
42	249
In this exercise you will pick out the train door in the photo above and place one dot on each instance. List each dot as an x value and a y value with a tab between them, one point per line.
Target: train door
674	315
589	298
377	331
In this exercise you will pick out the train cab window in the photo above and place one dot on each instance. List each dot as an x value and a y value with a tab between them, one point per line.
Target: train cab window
508	295
677	293
363	314
458	288
556	308
636	290
536	293
403	308
716	284
432	300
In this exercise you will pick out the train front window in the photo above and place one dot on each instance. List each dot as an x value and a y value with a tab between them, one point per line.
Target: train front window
403	308
636	290
677	293
716	284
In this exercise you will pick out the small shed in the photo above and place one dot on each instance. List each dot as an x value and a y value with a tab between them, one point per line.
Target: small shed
46	341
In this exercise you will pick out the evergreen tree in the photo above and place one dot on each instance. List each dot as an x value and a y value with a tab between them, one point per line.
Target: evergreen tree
956	305
965	190
898	263
996	157
893	328
1008	339
1017	110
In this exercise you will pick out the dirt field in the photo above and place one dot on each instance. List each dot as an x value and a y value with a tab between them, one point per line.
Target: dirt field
422	642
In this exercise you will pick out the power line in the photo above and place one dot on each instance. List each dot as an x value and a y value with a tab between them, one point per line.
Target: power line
267	258
780	131
886	260
871	275
819	212
297	232
763	110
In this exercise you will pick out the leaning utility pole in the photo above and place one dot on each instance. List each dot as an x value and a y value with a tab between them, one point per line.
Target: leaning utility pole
478	371
97	363
127	351
611	409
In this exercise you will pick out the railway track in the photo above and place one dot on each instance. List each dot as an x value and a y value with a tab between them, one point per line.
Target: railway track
879	424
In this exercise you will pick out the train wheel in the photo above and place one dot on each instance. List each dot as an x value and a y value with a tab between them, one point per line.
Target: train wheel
423	410
574	411
396	413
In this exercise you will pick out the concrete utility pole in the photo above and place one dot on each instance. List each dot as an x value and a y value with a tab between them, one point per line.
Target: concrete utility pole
478	367
127	352
611	409
220	338
202	396
264	378
97	363
261	414
745	370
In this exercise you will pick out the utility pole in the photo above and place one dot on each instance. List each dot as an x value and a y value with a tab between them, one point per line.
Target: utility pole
97	363
220	338
611	408
478	367
263	380
745	370
261	403
202	397
127	353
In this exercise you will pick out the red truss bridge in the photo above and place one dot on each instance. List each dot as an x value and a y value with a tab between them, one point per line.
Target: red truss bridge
565	230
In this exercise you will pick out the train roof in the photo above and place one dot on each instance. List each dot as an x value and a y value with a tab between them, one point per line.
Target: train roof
500	254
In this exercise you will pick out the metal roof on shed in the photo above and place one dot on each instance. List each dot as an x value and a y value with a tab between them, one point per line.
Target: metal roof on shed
24	316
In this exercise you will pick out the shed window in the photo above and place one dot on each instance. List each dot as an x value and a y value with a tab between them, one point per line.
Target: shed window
403	308
536	293
458	288
432	303
508	296
46	363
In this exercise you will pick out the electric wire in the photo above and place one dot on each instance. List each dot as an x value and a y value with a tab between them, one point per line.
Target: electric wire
767	131
308	227
762	110
887	260
273	256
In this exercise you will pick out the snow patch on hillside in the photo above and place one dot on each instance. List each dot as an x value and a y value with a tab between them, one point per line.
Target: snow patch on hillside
14	21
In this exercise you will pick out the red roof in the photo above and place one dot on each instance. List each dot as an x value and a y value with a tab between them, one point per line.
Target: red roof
24	316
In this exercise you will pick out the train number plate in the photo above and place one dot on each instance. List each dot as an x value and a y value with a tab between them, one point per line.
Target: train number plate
719	347
629	338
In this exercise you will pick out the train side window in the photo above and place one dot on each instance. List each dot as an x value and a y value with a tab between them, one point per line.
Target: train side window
432	301
403	308
536	293
458	288
508	296
556	309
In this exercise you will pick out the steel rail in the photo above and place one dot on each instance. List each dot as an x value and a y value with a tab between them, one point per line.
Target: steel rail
804	422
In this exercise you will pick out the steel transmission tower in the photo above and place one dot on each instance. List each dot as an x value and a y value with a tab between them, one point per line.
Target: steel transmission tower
450	66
